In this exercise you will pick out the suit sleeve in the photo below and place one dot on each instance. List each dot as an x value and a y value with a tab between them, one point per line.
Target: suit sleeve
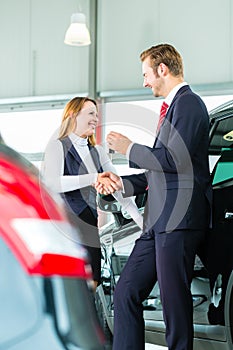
134	184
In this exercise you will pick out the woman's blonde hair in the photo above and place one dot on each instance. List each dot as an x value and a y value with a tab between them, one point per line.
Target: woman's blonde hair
68	124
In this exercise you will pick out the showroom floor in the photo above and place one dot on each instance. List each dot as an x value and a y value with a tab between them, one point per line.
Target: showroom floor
154	347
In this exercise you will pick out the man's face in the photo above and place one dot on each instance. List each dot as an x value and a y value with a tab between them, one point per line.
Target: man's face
151	79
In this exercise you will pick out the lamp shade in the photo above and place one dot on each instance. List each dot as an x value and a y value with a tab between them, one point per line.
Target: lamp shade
77	34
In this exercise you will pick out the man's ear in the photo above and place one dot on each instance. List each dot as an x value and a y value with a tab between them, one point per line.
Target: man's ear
162	69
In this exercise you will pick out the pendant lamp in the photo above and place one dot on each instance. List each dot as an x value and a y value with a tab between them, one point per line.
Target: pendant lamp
77	34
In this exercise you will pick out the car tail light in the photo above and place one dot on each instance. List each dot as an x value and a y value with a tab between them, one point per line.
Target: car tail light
62	265
48	247
34	225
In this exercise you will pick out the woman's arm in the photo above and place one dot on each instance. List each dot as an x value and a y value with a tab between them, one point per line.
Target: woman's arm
53	168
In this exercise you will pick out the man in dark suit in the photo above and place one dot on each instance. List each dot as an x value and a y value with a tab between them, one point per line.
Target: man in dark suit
177	213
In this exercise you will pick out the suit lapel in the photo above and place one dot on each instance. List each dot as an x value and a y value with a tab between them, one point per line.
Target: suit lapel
180	92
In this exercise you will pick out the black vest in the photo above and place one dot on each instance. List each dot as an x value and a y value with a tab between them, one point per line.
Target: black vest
79	199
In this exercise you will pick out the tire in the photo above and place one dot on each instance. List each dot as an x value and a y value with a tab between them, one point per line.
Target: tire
103	322
229	311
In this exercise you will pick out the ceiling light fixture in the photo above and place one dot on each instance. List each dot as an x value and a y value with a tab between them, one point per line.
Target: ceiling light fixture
77	34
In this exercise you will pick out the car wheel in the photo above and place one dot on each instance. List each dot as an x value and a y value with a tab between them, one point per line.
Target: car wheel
103	322
229	310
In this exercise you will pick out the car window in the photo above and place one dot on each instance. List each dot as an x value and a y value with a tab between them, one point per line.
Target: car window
223	170
221	136
221	147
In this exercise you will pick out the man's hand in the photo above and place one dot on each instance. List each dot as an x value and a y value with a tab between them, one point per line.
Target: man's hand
118	142
108	183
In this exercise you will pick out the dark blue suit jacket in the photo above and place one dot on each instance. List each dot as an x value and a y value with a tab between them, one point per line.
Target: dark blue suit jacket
177	170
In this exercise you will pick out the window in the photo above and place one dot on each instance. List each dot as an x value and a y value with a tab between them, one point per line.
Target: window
28	132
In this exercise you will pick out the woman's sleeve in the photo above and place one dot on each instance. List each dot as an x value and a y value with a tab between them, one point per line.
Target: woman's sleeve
53	167
128	204
105	161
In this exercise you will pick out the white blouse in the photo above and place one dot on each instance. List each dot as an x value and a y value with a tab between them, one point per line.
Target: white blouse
53	168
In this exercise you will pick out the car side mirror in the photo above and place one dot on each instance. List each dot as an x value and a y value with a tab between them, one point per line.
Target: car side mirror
108	203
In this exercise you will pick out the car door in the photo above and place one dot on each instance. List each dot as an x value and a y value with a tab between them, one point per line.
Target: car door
220	247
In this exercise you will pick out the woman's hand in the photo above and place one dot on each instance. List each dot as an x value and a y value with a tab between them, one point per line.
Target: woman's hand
108	183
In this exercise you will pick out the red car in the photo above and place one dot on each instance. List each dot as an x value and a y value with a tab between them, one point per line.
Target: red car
45	300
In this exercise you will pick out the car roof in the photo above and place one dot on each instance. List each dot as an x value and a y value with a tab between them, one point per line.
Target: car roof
221	110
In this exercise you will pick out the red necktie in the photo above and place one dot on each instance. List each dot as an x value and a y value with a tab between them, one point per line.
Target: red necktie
163	112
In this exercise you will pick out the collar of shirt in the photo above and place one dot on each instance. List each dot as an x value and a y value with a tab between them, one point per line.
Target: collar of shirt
173	92
78	141
81	146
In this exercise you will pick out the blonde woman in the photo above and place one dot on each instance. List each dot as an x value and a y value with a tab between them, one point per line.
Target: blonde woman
73	164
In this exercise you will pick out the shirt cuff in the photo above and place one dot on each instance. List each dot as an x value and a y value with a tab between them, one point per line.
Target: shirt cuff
95	177
128	150
122	185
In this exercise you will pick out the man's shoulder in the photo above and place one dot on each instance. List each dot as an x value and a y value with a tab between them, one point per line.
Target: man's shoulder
186	94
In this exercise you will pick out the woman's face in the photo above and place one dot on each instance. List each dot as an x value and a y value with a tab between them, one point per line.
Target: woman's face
86	120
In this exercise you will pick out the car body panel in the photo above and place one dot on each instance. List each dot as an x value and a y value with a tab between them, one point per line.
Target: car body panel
46	301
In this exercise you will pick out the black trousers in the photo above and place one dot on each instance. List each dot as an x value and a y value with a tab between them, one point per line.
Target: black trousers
169	259
86	224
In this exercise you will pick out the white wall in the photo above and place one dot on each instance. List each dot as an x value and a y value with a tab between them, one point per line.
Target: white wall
34	61
201	30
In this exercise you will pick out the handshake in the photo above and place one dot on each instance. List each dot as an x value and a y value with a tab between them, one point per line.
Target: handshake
107	183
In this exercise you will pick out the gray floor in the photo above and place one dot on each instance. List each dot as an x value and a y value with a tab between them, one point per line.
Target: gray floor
154	347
